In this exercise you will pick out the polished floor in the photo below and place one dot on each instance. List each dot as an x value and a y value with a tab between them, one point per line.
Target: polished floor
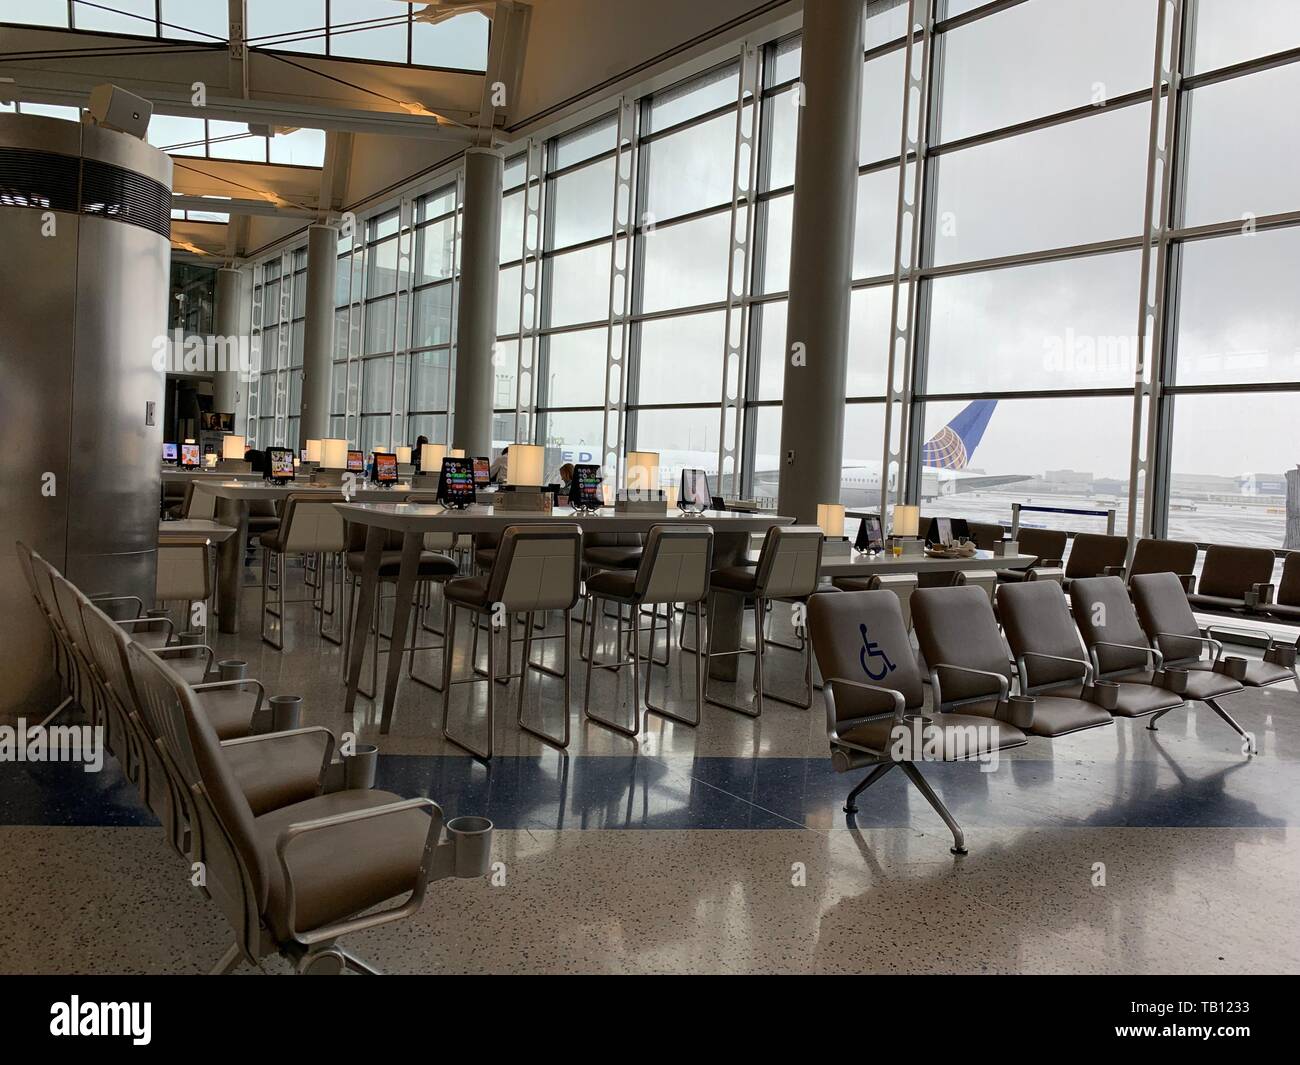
725	848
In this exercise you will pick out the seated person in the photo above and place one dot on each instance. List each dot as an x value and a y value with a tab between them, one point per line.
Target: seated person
497	471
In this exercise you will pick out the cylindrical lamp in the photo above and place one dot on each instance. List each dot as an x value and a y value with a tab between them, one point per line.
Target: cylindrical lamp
233	447
313	450
907	520
431	456
334	454
830	516
642	474
524	465
403	455
456	453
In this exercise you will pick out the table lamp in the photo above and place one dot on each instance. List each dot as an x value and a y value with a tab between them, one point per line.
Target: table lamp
642	473
233	447
830	518
333	460
524	465
403	455
313	451
457	453
431	456
907	524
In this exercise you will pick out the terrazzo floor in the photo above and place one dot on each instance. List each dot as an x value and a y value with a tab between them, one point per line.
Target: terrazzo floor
724	848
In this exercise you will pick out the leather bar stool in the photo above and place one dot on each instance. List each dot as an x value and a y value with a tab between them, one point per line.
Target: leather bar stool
788	570
312	525
674	568
535	569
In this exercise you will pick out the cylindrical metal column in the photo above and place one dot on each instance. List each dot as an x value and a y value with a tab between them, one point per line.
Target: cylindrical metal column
821	258
83	344
318	333
476	329
225	379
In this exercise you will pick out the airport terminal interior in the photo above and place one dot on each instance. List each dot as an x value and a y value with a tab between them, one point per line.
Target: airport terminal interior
499	486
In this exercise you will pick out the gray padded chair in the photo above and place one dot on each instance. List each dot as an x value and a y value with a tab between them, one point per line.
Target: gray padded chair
1092	555
536	569
1162	556
788	570
1046	545
1170	626
674	568
1118	648
875	699
1234	579
1050	655
305	868
1286	605
969	668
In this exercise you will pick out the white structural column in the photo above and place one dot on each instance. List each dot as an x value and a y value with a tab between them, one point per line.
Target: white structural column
318	333
821	258
476	325
226	381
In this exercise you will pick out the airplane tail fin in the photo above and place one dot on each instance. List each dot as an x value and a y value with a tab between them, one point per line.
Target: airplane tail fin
953	446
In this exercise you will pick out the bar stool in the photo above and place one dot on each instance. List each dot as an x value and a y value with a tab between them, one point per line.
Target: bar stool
536	569
311	525
788	570
185	575
674	568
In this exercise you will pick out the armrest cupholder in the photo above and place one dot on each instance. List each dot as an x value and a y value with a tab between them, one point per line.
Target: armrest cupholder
1281	654
918	720
285	711
190	639
361	767
1174	680
232	669
1018	710
472	838
1232	666
1105	693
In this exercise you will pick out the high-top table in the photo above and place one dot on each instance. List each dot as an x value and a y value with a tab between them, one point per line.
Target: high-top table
731	533
233	497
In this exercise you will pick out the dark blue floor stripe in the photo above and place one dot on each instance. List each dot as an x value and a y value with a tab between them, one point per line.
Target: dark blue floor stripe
589	792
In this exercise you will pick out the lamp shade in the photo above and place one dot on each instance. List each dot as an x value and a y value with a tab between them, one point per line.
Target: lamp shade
524	465
233	447
403	455
334	454
313	450
457	453
907	520
830	516
431	456
642	471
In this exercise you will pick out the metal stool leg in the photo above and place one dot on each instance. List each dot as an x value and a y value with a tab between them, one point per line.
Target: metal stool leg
527	666
749	711
662	711
923	786
614	666
486	752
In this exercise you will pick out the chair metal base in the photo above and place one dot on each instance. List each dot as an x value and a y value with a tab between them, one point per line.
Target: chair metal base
760	693
922	785
1213	704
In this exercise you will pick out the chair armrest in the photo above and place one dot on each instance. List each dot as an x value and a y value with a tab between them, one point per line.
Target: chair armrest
1189	582
275	769
182	648
131	623
1212	644
1050	563
139	608
1210	630
1157	658
217	685
396	913
1260	594
1004	685
890	700
1113	571
1024	674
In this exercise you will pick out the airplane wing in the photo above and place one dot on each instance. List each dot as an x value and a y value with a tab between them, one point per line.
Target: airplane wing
968	482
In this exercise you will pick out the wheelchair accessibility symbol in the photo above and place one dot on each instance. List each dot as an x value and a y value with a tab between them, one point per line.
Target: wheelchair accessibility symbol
870	650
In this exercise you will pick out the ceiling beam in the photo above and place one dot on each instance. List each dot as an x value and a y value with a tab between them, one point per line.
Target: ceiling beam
181	202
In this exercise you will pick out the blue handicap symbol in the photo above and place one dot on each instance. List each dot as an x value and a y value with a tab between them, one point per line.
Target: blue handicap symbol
870	650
